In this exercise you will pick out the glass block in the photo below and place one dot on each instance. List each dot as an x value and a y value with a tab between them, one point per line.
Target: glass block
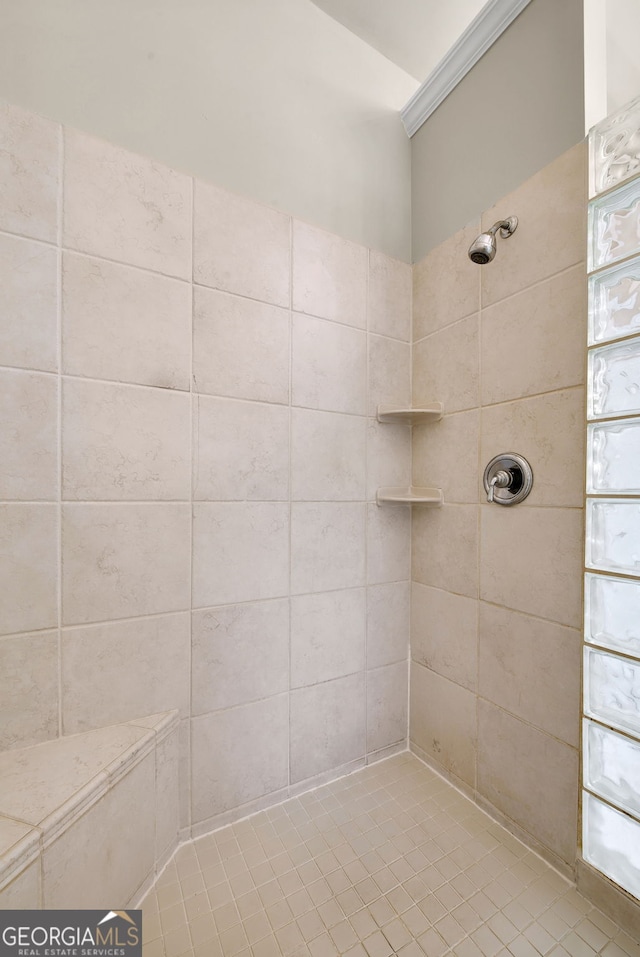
612	690
614	302
614	225
613	457
612	613
614	148
613	535
612	767
611	842
614	379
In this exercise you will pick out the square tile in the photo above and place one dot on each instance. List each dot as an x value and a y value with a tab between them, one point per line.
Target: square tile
387	694
327	546
328	456
29	692
122	442
241	450
29	436
548	430
240	347
30	149
388	544
122	206
389	299
240	654
561	187
327	726
241	246
548	587
445	548
240	552
97	692
531	668
444	633
446	284
329	366
443	722
327	636
445	455
535	342
388	612
250	744
389	373
329	276
28	567
446	367
28	304
388	456
148	318
122	560
518	788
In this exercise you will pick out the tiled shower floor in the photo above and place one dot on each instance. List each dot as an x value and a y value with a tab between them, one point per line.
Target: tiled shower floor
390	860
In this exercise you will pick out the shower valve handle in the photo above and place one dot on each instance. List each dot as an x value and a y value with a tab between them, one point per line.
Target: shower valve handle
508	479
502	479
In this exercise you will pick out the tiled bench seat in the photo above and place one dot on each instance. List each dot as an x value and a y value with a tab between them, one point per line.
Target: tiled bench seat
87	820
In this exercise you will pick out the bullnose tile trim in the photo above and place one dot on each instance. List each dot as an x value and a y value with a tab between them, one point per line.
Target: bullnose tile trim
482	32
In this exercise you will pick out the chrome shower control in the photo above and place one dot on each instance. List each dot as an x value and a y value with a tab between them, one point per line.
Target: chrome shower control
501	479
508	479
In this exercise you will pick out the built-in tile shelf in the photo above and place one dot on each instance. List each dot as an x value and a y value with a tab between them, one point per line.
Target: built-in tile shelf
409	495
392	413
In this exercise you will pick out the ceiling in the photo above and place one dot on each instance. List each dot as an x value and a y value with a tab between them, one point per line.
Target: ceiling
413	34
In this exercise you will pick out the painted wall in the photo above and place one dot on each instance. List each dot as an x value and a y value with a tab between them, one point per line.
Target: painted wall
189	382
273	100
497	592
520	106
623	63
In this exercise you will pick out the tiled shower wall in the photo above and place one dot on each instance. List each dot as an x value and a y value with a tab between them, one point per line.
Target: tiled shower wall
496	603
189	462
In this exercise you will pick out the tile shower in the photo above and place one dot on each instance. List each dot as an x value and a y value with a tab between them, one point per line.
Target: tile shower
192	457
497	591
190	462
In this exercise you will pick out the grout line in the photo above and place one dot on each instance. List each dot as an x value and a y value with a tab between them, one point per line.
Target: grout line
53	244
194	447
479	418
367	470
59	320
290	487
498	302
411	482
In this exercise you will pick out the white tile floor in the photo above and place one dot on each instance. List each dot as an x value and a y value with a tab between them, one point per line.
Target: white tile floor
390	860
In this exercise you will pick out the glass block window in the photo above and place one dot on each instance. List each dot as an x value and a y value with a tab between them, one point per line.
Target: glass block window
610	842
611	695
612	613
612	690
613	451
614	302
614	225
614	379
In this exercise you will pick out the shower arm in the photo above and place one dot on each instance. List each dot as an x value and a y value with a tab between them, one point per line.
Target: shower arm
506	226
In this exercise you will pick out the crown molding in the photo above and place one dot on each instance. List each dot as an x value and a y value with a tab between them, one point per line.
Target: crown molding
482	32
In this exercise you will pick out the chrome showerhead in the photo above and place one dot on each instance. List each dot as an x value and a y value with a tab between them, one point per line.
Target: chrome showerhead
483	249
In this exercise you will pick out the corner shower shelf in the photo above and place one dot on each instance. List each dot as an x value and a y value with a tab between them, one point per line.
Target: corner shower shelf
429	413
409	495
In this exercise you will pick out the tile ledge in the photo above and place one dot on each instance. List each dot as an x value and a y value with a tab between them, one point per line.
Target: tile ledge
16	854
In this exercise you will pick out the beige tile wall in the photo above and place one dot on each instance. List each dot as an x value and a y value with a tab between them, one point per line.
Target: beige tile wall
189	467
496	601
